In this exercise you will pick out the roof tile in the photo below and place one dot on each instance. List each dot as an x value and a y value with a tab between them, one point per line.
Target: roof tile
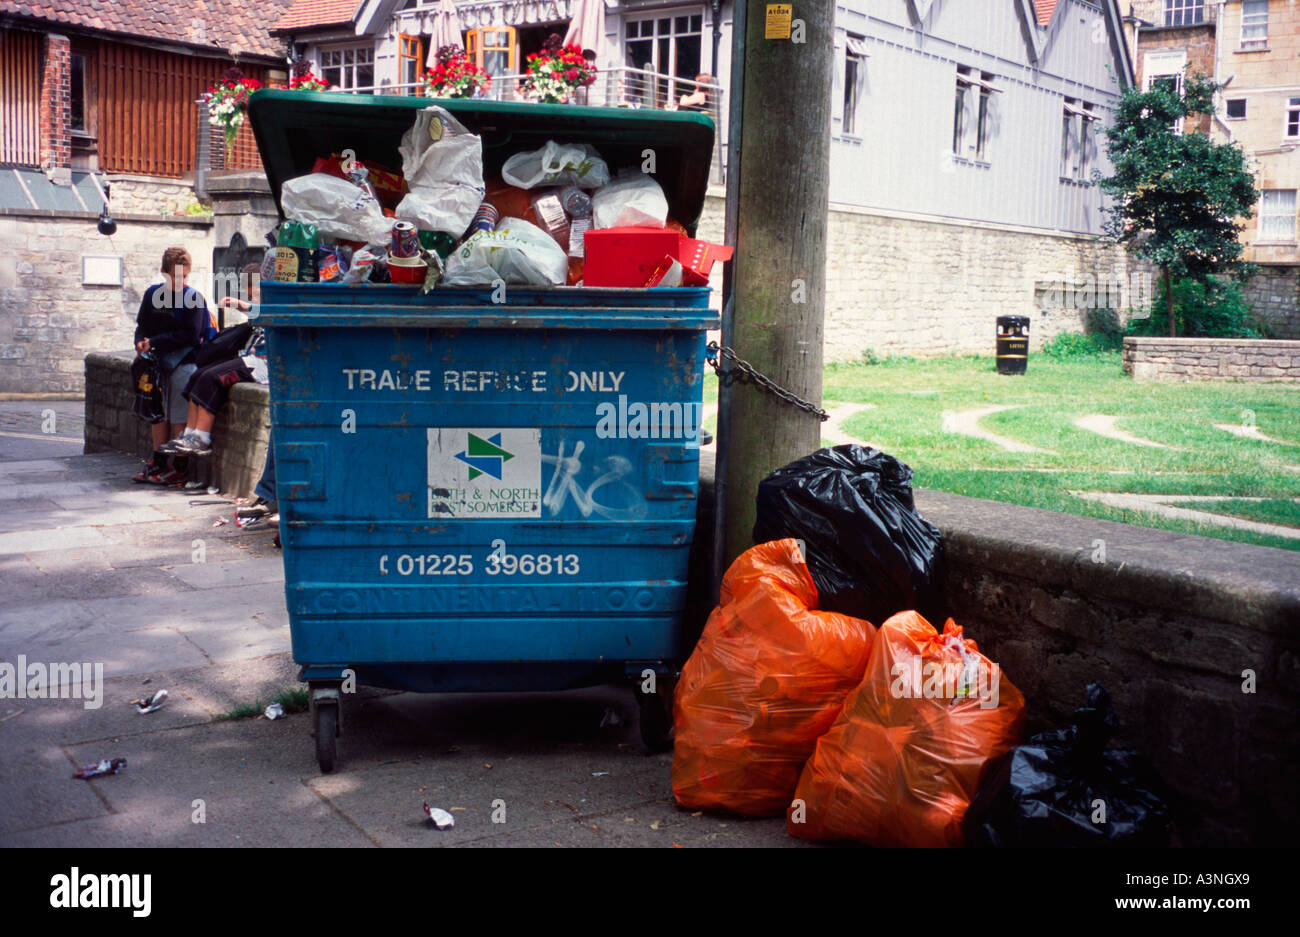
237	27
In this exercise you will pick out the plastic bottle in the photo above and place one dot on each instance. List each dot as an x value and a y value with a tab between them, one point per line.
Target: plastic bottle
577	203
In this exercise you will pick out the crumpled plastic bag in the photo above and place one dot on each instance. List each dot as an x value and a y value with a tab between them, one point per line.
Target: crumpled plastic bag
443	165
906	757
337	208
516	252
630	201
557	164
871	554
1046	793
769	675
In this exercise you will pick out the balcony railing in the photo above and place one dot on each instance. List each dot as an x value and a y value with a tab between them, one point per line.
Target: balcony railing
615	87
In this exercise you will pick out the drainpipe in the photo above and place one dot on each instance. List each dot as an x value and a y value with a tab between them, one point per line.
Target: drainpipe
717	36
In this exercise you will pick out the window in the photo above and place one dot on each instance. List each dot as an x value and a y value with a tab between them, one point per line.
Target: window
493	49
411	56
1236	108
1254	22
1078	146
77	95
855	54
1293	118
1277	215
349	68
1184	12
667	45
972	114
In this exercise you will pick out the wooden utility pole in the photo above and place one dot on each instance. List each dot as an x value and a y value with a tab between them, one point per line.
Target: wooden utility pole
778	178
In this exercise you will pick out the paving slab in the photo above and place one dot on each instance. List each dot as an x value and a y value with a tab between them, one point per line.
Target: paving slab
237	573
246	779
121	653
36	541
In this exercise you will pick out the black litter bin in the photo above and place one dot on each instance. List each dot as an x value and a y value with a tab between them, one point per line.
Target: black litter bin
1013	344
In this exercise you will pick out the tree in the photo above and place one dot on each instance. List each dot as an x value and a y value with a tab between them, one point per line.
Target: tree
1178	197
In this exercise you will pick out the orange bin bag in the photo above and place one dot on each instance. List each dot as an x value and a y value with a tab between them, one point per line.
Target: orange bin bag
907	754
769	675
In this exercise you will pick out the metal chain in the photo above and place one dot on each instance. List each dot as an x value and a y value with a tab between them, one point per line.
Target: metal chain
746	373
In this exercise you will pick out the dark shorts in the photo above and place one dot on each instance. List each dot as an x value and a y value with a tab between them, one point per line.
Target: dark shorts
210	386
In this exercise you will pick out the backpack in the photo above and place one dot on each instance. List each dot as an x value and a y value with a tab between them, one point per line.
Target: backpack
226	344
148	402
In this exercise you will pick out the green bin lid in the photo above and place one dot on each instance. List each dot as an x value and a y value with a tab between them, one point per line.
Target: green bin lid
293	128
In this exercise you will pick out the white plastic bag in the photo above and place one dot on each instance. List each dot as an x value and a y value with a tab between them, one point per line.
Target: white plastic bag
636	200
557	164
443	165
517	252
336	207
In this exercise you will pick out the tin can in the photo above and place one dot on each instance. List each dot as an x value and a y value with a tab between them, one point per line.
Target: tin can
406	241
485	219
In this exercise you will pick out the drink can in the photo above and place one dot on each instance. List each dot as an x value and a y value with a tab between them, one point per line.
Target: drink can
485	219
406	241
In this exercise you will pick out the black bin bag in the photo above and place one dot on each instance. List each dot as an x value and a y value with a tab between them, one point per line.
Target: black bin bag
1046	792
870	554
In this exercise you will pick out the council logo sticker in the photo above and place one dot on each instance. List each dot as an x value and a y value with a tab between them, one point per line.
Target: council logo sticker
478	473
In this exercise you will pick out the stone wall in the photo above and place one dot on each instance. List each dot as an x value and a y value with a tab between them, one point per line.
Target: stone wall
239	436
1197	640
1274	297
148	195
911	286
49	321
1212	359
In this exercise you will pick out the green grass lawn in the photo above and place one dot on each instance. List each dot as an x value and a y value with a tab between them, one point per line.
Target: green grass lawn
911	398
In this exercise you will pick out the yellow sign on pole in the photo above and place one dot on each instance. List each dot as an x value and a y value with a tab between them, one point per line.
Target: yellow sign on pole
777	24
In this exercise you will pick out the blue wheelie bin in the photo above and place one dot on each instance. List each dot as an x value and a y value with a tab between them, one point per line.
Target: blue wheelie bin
479	495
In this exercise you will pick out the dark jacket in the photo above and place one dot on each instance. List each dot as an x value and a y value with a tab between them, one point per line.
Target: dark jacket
172	320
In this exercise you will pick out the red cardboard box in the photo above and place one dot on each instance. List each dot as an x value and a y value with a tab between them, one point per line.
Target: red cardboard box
628	257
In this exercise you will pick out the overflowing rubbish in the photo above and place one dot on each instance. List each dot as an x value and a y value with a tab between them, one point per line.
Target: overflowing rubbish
634	199
905	758
1066	788
100	769
351	222
439	818
767	679
871	554
443	165
274	711
151	703
516	252
557	164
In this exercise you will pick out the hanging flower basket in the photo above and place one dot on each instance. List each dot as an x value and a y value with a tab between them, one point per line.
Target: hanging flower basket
455	75
555	73
227	101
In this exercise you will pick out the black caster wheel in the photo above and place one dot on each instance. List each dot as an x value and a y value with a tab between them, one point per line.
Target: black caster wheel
327	730
656	722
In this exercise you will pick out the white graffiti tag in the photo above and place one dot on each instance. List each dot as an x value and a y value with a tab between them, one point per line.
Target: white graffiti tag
564	484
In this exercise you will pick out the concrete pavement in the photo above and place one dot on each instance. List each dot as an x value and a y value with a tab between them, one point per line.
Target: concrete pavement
94	568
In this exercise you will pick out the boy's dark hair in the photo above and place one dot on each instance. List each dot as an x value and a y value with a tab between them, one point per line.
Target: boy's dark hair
174	257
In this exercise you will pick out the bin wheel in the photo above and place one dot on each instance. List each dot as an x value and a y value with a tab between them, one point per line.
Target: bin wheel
327	730
656	724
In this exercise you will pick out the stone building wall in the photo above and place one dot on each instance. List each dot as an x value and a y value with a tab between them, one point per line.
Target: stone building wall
1212	359
908	286
49	321
1274	297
